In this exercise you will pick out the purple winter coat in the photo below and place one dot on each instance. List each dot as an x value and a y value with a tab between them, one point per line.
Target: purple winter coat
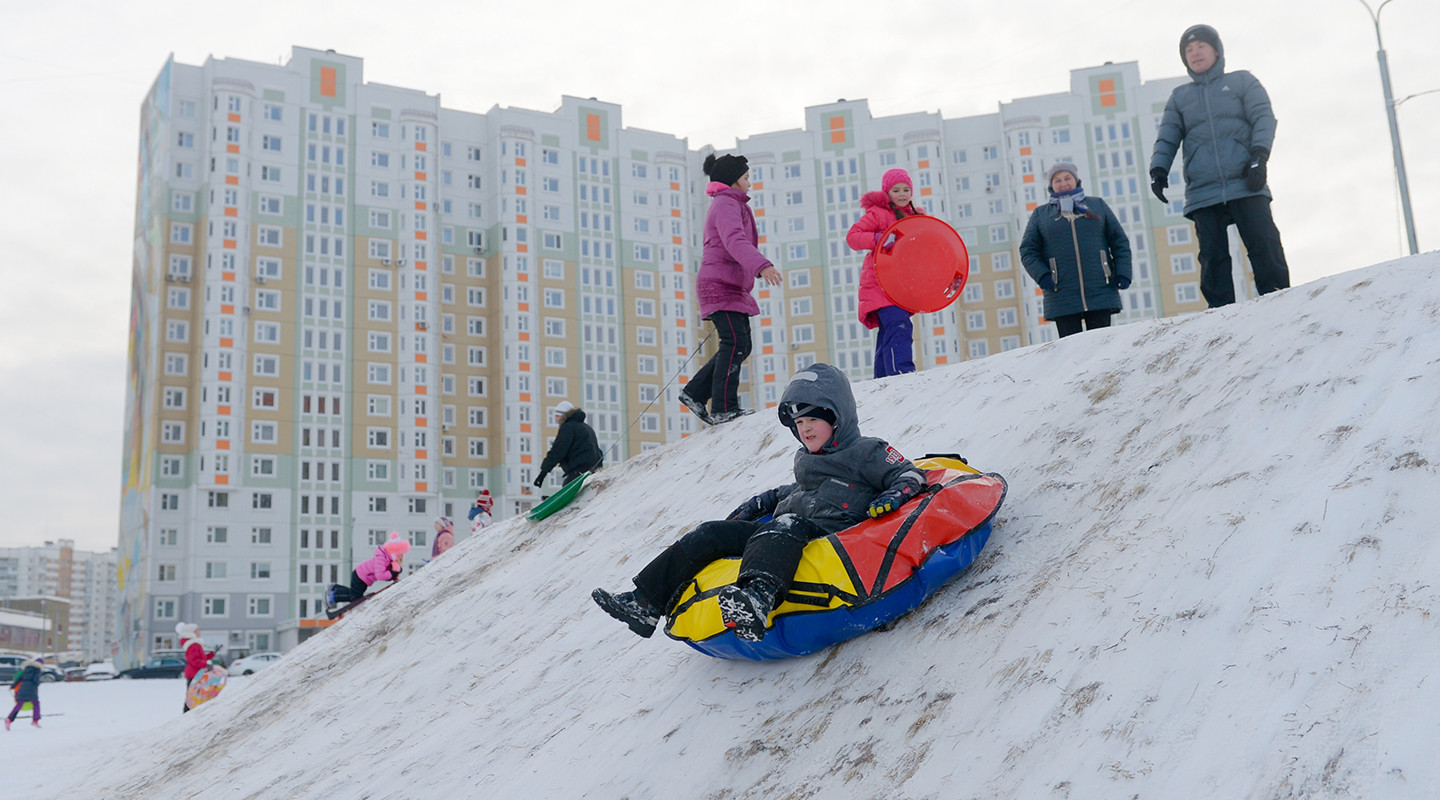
375	568
731	261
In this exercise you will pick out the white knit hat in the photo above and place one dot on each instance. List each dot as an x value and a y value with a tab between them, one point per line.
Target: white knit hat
564	408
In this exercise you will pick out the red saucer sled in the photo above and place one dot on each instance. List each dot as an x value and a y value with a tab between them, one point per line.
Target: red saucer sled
925	268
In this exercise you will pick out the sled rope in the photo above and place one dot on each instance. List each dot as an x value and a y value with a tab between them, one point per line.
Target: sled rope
636	420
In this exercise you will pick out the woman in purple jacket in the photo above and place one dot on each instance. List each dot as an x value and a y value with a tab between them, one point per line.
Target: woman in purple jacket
728	268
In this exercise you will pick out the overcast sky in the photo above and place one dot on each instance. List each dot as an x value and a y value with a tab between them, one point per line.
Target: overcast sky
73	74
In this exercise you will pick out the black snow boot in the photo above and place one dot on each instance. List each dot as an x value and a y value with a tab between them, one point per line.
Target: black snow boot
696	407
746	609
630	608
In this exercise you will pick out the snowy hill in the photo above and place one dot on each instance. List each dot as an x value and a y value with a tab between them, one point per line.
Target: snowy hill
1213	576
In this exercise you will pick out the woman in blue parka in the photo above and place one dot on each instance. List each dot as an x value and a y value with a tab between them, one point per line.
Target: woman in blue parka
1076	251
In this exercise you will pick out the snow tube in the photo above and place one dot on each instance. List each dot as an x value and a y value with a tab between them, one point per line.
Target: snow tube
858	579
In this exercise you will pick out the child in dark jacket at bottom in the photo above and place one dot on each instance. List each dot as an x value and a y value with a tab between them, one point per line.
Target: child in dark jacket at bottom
27	690
841	478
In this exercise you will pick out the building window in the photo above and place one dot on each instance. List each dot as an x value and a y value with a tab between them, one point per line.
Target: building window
257	606
213	606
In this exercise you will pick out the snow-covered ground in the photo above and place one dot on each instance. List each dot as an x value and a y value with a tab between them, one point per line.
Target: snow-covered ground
1214	576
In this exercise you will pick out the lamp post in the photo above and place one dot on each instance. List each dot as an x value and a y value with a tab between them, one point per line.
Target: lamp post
1394	127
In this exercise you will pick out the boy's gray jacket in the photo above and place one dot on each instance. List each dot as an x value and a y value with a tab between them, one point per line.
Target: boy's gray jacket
833	488
1219	116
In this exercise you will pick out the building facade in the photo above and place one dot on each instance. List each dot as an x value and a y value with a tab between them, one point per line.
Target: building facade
354	308
57	576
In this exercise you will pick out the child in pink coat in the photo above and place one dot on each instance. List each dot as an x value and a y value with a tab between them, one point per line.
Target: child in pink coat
894	349
444	536
730	264
386	565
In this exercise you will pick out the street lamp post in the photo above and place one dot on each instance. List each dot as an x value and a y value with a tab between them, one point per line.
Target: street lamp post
1394	128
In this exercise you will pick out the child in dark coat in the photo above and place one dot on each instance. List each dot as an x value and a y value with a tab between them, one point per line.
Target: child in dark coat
841	478
386	565
27	690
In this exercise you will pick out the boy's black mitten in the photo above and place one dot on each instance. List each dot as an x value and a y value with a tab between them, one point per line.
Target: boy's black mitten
756	507
1254	171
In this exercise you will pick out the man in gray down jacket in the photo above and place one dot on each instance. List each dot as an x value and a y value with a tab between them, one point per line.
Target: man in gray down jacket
1225	123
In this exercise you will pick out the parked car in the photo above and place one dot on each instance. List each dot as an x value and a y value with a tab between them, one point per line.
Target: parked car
165	667
10	664
249	665
75	674
100	671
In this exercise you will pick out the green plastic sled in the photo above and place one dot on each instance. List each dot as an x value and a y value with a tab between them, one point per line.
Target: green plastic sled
559	500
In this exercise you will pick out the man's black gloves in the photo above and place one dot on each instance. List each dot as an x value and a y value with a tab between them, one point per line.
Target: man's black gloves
1159	181
1254	171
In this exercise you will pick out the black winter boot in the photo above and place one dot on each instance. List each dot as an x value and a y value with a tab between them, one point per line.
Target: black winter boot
745	610
630	608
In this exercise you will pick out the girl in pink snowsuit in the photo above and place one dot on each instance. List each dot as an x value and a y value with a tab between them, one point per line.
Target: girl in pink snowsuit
386	565
894	348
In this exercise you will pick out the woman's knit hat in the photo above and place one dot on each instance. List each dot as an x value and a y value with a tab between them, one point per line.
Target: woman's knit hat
894	176
186	630
726	169
396	546
1062	166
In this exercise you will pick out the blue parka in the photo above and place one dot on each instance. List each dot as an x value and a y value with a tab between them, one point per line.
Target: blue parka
1086	255
1219	117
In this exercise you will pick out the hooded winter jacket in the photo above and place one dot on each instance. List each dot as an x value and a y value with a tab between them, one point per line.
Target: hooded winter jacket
1084	254
575	448
1220	117
196	656
731	260
377	568
878	217
28	681
833	487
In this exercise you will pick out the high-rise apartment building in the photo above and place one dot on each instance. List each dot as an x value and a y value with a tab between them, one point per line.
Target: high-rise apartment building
354	308
86	580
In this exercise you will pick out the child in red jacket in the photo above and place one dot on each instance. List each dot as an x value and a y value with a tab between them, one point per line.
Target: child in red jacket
386	565
196	656
894	349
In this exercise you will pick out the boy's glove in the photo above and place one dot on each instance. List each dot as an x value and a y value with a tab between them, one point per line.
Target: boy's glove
1254	172
539	479
1159	182
886	502
1047	282
756	507
1122	283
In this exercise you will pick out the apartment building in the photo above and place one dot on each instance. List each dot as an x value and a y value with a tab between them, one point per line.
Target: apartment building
353	308
83	582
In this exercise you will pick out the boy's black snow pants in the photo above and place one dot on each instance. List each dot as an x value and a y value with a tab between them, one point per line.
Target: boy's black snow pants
767	549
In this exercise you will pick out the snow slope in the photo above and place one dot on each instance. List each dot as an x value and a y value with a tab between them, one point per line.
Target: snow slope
1213	577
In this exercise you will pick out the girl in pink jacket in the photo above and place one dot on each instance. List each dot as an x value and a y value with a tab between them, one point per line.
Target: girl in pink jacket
894	349
386	565
729	265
